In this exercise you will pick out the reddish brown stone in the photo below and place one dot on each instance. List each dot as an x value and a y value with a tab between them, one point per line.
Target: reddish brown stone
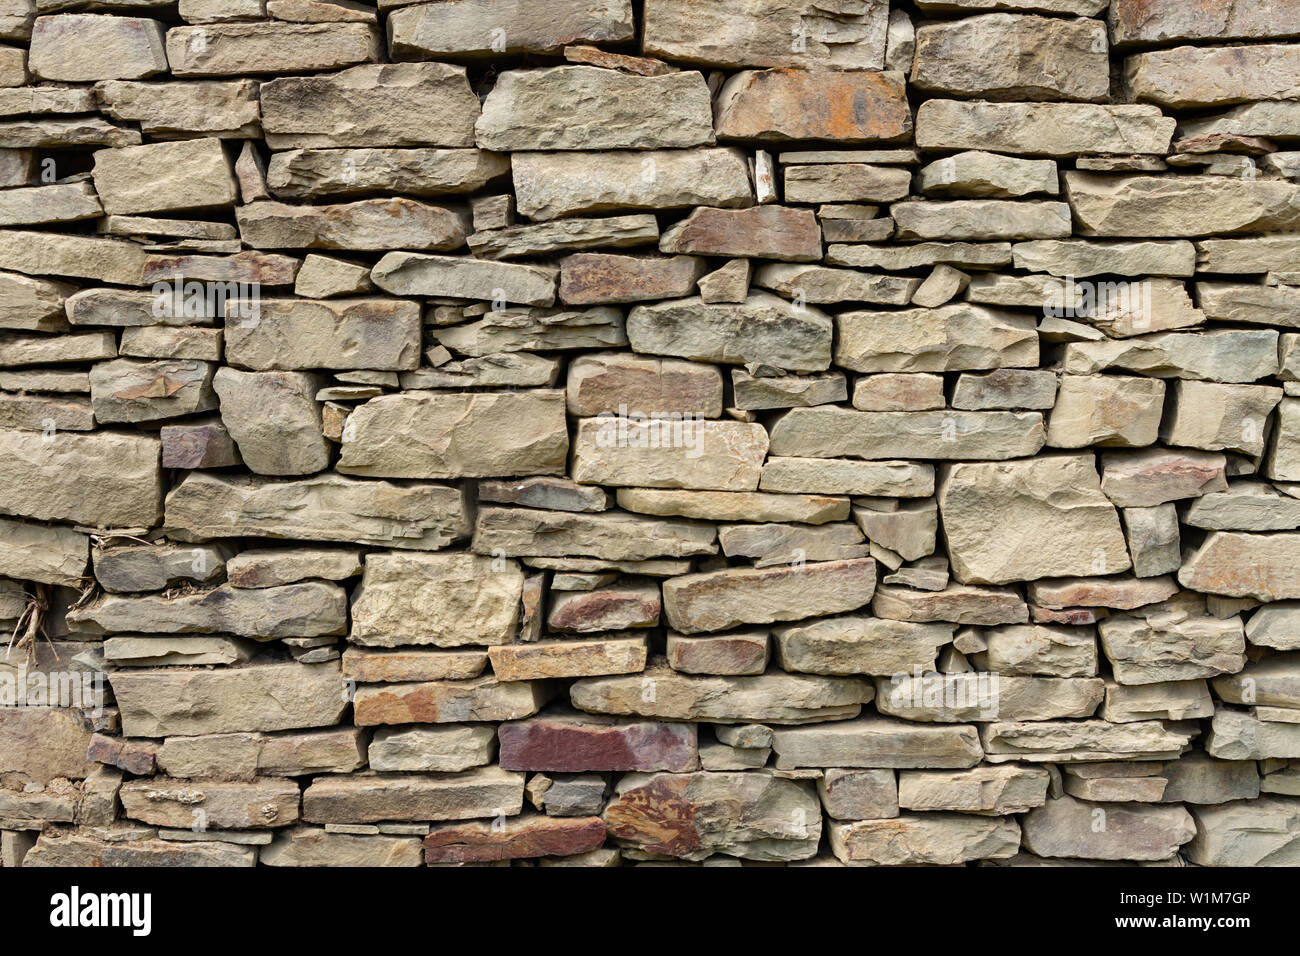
436	702
760	232
606	609
133	756
530	607
657	815
569	742
598	278
264	268
525	836
753	815
843	107
204	444
638	65
744	652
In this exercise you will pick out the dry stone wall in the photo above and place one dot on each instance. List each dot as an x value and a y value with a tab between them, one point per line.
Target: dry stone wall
603	433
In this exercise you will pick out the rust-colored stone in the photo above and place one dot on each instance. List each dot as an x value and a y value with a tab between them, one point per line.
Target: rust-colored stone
637	65
760	232
784	105
595	278
569	742
526	836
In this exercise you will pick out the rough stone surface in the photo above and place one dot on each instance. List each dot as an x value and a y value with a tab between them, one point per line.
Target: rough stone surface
782	105
758	816
989	510
649	432
586	107
1002	56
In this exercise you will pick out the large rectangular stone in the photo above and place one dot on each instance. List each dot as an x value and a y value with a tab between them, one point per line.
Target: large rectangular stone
440	702
763	329
419	516
103	479
219	804
407	273
758	816
524	837
968	219
551	185
1003	56
949	338
79	849
990	510
859	644
228	109
876	742
372	798
160	177
589	108
774	697
84	257
457	29
1043	129
610	536
361	333
421	171
830	432
50	554
83	47
447	600
784	105
269	46
266	697
621	652
925	839
462	435
391	104
570	742
1177	206
39	744
784	33
369	225
306	609
1188	77
1068	741
1219	355
1166	21
711	455
990	789
718	600
843	476
1237	564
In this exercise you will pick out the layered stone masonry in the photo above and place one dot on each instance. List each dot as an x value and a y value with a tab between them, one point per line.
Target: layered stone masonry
587	433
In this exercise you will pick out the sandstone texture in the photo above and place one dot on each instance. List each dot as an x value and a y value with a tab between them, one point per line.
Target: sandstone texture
649	433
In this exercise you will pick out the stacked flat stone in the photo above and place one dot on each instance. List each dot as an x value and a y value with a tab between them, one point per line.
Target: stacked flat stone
579	433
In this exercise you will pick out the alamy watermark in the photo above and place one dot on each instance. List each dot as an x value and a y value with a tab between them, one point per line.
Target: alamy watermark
177	298
634	429
932	690
1072	298
21	687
